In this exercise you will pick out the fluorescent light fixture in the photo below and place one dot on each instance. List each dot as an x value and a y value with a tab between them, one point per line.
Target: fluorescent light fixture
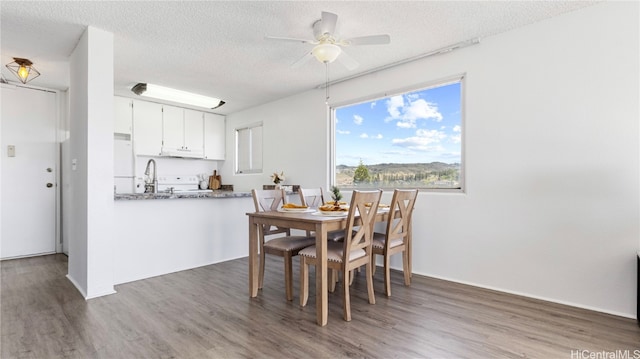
173	95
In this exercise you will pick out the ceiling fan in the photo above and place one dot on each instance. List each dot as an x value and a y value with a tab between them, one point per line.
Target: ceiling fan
328	47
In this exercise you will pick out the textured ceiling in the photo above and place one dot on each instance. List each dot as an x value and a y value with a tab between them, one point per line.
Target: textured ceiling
217	48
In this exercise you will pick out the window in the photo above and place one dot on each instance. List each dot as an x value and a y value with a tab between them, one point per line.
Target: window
249	149
412	139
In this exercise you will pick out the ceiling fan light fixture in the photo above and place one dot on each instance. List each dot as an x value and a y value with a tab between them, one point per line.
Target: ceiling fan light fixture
23	69
173	95
326	53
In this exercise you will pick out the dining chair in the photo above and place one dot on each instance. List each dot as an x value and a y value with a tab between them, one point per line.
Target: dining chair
353	252
314	198
285	246
397	237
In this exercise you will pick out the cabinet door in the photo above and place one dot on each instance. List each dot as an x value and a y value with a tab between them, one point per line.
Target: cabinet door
172	127
214	136
124	115
147	128
193	131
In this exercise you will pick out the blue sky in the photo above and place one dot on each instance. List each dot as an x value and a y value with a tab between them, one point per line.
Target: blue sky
417	127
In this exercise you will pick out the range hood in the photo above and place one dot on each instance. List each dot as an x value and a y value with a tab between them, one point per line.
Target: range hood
181	152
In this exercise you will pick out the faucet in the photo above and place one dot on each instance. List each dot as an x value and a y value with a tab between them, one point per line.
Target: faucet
153	186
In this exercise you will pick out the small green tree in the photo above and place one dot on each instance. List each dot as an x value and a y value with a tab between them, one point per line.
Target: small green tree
335	194
361	174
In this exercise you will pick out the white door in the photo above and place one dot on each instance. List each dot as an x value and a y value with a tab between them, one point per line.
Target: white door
28	164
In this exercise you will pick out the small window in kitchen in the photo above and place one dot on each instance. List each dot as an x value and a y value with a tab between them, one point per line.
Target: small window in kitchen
249	149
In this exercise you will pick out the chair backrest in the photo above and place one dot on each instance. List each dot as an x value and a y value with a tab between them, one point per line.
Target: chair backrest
360	236
400	212
268	200
311	197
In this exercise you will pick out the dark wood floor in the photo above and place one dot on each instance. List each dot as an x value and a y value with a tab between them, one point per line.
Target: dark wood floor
207	313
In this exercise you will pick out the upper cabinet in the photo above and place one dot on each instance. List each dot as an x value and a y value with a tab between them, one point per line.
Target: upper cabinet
163	130
214	137
182	132
123	122
147	128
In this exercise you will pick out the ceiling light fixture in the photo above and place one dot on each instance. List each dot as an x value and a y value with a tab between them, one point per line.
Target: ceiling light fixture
173	95
23	69
326	52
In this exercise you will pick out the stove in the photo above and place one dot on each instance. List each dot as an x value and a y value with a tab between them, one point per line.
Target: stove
180	183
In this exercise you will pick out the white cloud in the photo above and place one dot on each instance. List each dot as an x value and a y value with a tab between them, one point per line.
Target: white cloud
378	136
457	128
364	135
456	138
357	119
421	109
343	132
424	140
407	113
406	124
394	105
373	104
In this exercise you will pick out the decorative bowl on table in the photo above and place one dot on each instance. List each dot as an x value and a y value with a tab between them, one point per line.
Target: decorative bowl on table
331	209
292	207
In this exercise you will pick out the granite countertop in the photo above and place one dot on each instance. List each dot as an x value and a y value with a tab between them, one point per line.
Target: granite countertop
145	196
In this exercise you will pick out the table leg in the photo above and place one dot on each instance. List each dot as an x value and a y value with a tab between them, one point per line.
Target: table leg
322	296
253	258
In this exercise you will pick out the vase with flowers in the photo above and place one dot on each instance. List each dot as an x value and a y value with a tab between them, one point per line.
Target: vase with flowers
277	178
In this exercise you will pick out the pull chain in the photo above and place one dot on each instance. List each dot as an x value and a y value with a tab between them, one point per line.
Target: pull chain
326	87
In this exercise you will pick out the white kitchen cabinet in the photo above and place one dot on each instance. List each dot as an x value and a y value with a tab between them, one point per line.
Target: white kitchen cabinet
123	122
214	137
193	130
172	127
182	132
147	128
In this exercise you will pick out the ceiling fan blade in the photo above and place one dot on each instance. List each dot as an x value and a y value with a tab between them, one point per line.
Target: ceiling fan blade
328	23
367	40
303	60
347	61
290	39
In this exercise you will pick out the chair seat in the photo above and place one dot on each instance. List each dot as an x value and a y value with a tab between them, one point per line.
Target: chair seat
379	239
290	243
336	236
334	252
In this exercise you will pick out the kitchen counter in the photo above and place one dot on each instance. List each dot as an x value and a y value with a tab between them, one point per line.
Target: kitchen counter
145	196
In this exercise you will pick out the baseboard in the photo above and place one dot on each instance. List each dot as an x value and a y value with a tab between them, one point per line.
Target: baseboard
528	295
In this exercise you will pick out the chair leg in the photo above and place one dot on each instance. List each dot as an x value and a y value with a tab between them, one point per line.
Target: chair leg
288	281
352	274
333	279
304	281
406	268
261	275
346	300
387	276
373	264
372	296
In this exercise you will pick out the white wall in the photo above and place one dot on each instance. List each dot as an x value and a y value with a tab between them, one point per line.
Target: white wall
91	147
551	208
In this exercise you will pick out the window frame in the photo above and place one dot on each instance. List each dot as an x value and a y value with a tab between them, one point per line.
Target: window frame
461	78
251	151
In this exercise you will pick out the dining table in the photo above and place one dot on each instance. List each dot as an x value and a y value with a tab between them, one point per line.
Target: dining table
309	220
